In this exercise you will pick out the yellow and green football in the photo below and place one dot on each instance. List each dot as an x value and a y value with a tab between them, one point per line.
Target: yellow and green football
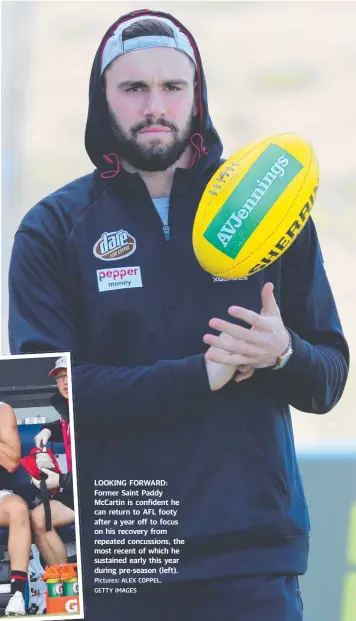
255	206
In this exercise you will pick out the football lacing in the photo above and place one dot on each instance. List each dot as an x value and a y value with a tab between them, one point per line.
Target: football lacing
224	173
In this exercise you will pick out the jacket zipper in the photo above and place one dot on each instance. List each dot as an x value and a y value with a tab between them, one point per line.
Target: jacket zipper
166	231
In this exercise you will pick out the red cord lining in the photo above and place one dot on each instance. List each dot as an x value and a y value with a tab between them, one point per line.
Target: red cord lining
111	158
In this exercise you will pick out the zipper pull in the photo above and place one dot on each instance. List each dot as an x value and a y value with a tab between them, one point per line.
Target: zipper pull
166	232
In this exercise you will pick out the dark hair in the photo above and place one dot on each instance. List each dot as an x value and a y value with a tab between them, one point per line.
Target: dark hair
147	27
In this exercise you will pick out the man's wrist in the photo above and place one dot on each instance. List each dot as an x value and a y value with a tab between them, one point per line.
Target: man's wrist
284	357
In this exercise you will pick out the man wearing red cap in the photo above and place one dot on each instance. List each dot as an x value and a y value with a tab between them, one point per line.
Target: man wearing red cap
49	543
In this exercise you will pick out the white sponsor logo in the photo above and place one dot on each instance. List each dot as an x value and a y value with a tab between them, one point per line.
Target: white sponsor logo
217	279
119	278
114	245
234	222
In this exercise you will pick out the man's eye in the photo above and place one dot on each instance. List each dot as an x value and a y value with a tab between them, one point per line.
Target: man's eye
134	89
171	87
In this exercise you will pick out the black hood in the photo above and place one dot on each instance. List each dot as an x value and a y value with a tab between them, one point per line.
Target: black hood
100	142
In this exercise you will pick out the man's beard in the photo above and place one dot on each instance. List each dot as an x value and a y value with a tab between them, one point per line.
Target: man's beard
153	157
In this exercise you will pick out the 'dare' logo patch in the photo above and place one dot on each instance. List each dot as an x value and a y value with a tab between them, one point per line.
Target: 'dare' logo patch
114	245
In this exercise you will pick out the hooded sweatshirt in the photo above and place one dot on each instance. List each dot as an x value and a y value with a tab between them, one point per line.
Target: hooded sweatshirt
134	326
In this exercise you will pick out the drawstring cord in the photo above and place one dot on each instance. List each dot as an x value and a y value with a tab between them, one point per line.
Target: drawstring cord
200	149
111	158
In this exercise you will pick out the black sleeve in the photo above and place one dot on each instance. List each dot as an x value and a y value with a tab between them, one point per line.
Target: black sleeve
314	378
66	482
56	429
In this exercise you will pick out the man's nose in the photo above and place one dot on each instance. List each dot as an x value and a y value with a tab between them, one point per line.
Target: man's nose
154	104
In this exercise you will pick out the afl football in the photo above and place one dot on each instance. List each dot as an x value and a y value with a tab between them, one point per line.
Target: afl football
255	206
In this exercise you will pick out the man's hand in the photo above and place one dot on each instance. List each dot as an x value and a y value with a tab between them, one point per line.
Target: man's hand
258	347
243	372
43	460
218	374
42	437
221	374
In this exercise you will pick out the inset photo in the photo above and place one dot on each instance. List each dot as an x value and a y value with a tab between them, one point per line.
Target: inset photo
40	570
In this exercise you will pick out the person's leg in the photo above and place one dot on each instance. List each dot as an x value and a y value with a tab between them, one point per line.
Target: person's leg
49	543
14	515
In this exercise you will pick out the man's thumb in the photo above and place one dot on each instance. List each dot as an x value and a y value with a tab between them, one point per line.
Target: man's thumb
269	304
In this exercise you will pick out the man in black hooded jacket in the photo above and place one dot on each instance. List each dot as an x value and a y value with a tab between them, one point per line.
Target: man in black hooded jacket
104	268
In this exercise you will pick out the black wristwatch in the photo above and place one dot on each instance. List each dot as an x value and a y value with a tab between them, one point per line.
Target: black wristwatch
283	358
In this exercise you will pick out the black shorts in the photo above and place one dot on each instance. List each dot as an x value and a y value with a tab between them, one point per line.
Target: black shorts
66	498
